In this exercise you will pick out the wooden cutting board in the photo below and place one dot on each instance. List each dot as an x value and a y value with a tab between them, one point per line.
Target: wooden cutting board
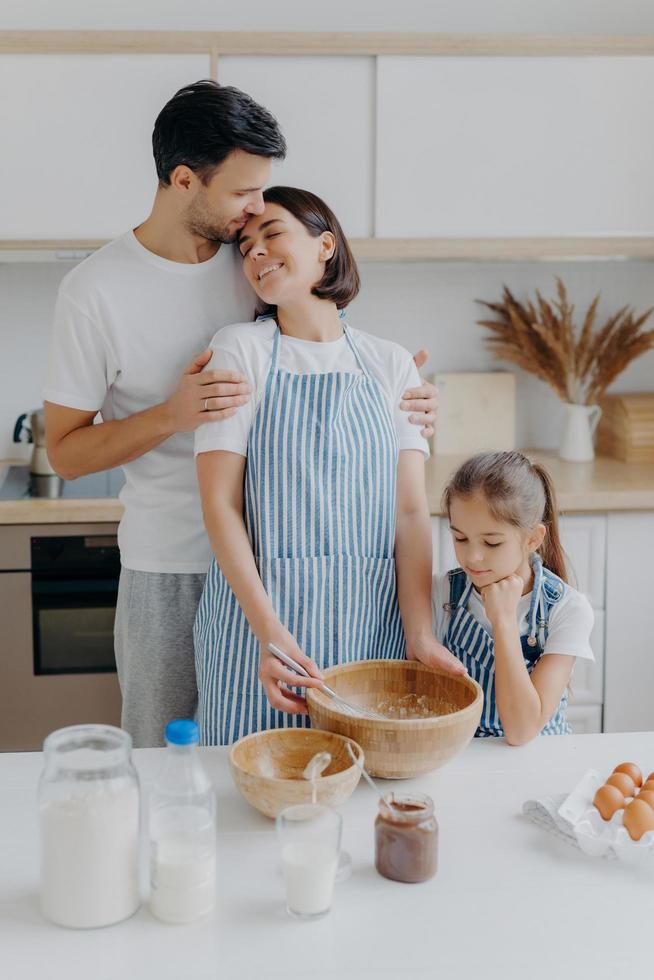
476	412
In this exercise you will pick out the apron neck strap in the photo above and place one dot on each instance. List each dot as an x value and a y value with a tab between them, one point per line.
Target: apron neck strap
463	601
354	349
275	351
536	618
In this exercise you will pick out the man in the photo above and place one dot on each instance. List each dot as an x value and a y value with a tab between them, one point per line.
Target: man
125	322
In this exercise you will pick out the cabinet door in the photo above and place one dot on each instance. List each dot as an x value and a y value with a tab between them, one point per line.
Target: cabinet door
524	146
324	106
446	556
584	542
435	544
588	675
585	719
77	152
629	670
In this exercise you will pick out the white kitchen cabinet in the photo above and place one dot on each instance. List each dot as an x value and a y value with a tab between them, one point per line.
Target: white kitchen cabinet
514	146
588	675
325	107
446	555
629	689
585	719
443	557
76	129
584	541
435	543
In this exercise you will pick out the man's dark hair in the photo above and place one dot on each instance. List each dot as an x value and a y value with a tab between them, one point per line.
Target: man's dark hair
340	282
204	122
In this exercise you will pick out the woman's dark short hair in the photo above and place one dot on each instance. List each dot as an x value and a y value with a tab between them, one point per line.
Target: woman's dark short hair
204	122
340	282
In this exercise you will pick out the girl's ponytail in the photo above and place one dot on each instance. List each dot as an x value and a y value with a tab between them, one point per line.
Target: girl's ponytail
551	550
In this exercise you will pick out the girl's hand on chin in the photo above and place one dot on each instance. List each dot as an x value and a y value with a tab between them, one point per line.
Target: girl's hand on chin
430	652
501	598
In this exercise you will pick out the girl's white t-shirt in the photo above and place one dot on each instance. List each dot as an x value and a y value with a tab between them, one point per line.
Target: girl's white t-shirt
127	323
570	620
248	347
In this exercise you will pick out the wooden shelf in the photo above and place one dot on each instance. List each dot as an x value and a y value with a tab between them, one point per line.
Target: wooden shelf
498	249
396	249
324	43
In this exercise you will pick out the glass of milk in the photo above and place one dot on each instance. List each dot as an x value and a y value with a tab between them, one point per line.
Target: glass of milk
310	837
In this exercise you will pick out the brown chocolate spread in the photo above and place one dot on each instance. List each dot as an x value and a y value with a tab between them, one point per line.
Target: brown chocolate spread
406	838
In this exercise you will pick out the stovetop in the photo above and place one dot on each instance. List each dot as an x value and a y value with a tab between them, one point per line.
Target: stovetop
16	483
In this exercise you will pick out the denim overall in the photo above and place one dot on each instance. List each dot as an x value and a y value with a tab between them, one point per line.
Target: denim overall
319	508
474	646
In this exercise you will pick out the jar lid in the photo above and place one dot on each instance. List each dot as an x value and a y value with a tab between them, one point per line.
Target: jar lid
87	747
182	731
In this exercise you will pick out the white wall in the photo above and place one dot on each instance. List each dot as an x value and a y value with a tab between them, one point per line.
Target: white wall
430	304
588	16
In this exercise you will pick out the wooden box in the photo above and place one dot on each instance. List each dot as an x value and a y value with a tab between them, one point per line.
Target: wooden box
626	428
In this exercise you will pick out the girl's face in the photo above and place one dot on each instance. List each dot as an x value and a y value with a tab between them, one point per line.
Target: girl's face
488	549
281	260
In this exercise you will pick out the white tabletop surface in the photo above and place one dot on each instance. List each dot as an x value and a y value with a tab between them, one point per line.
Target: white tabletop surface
508	901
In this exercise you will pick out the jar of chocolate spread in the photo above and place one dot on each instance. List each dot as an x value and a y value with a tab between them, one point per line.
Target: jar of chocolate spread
406	837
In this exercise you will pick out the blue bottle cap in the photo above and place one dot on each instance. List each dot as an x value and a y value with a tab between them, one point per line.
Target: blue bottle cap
182	731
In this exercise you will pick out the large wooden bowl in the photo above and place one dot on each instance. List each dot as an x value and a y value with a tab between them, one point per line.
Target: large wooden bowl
396	748
267	768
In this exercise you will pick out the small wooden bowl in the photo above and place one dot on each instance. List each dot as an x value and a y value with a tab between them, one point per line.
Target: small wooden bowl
267	768
399	748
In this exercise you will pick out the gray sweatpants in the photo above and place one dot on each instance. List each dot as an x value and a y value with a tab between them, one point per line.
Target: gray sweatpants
153	640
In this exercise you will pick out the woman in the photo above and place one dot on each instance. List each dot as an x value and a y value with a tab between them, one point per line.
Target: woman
300	487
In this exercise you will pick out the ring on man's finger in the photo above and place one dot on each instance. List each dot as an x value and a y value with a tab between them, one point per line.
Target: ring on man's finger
205	404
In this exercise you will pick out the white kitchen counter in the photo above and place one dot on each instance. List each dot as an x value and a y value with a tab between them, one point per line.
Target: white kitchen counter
508	901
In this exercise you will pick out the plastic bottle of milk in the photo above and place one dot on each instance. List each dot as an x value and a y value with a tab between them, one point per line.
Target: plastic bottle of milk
182	831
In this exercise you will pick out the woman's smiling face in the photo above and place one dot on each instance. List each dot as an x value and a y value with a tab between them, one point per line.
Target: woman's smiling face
281	260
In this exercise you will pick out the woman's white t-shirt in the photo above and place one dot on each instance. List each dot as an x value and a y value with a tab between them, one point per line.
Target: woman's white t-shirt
569	627
248	347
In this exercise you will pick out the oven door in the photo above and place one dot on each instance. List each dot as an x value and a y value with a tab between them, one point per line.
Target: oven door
74	592
56	642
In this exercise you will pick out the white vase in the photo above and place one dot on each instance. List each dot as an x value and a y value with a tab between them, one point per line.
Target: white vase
579	427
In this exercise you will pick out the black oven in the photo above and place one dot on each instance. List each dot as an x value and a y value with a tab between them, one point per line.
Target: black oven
74	592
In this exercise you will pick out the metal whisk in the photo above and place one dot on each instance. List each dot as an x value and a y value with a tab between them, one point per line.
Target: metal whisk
355	710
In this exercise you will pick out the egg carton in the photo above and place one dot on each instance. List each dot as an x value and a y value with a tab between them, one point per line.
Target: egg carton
595	836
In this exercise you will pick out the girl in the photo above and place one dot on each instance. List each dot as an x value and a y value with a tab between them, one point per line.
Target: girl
300	487
507	612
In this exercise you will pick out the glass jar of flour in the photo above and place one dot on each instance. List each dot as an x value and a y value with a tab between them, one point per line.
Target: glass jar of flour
88	827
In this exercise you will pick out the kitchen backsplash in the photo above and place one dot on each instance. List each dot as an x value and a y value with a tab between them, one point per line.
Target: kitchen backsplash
421	304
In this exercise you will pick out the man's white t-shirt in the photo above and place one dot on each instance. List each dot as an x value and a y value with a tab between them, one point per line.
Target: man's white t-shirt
248	347
569	626
127	323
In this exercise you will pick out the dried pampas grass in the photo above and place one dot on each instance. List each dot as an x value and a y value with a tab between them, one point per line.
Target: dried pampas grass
542	339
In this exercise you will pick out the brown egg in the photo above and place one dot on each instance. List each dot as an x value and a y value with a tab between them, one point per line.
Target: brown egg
649	784
638	819
623	782
608	799
632	770
650	777
647	796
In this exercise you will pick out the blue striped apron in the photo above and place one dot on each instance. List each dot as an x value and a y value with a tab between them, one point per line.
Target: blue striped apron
319	508
473	645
